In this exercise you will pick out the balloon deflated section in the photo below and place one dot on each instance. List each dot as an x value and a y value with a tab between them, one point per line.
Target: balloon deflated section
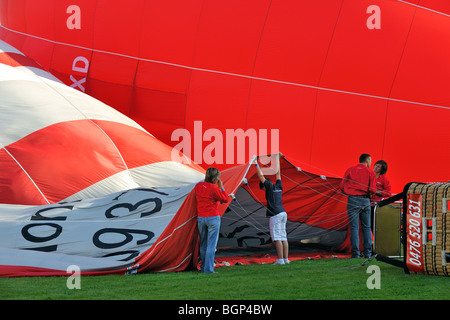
335	77
60	144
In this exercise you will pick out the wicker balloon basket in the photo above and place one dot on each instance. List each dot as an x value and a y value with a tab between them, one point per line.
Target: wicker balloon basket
426	228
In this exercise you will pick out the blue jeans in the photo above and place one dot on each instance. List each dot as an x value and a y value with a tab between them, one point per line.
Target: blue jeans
209	234
359	209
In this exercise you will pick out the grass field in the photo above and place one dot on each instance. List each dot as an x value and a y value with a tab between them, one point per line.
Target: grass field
329	279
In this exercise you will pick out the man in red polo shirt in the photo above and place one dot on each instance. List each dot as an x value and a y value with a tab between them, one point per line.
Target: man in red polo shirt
359	184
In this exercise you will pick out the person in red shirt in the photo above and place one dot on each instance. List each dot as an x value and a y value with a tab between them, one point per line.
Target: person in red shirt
359	184
209	194
383	187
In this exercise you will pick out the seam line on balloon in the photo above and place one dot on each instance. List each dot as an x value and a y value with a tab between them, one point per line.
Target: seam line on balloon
425	8
117	149
23	169
236	74
147	254
177	266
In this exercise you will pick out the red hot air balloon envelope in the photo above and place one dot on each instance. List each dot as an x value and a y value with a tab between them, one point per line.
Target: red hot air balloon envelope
85	187
337	78
82	184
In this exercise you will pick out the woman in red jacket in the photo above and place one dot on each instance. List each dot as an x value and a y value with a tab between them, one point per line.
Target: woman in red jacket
383	187
209	193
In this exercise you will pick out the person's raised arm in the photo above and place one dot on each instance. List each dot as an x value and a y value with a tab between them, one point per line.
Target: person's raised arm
221	195
259	172
278	167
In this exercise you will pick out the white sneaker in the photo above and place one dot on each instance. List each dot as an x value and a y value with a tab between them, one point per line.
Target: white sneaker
286	261
279	261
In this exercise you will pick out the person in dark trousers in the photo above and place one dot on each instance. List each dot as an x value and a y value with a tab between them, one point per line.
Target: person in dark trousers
276	212
359	184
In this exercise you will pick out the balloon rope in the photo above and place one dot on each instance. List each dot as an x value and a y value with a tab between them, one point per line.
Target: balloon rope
258	226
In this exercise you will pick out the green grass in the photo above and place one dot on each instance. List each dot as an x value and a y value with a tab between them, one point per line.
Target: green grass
342	279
